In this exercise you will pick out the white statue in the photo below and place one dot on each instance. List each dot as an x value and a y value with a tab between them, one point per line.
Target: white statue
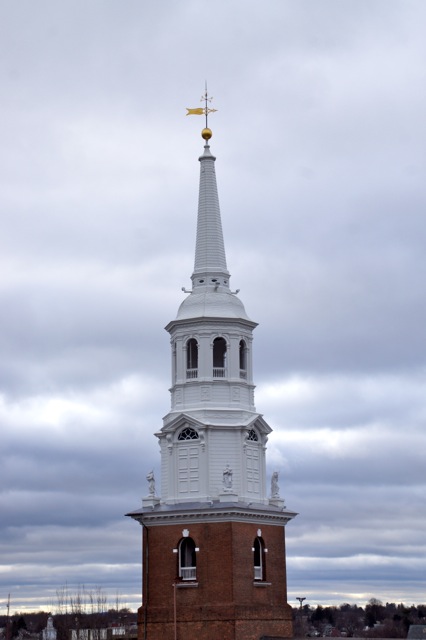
151	483
275	490
227	477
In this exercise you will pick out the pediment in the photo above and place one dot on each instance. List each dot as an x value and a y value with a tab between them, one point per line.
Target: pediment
260	425
181	422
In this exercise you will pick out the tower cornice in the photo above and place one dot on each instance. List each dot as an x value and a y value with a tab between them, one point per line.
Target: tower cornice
162	514
201	321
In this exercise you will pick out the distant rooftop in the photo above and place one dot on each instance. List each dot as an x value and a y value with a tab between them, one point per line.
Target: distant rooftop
417	631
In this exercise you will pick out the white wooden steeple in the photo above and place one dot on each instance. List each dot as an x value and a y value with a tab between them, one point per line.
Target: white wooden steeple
213	441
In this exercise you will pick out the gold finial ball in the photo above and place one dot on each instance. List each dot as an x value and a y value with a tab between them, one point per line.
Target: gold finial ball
206	133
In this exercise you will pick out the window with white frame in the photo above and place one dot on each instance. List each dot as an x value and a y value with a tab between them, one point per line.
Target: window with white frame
187	559
259	559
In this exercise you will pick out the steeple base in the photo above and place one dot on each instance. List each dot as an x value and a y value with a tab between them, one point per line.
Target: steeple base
231	592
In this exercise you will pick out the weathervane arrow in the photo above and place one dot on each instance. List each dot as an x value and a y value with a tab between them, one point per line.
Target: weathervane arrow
202	111
199	111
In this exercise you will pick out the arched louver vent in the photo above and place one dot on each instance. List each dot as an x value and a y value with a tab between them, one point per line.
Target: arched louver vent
252	436
188	434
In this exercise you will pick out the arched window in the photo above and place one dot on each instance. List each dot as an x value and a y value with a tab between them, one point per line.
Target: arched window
192	358
252	436
187	559
188	433
243	359
259	559
219	357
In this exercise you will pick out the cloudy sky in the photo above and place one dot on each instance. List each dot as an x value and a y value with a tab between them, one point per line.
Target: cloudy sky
320	144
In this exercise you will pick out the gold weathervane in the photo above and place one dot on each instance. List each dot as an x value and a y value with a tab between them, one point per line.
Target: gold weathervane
203	111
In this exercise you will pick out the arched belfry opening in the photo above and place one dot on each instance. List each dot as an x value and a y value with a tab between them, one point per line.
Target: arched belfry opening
207	573
243	358
219	357
192	358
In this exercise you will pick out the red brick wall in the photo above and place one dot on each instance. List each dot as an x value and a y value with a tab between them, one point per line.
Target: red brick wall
225	605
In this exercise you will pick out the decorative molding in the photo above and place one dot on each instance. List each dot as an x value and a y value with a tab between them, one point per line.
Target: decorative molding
228	495
150	501
169	439
202	437
235	394
205	392
277	502
233	514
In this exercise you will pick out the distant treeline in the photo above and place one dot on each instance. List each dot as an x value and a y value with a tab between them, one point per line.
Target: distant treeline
375	620
84	611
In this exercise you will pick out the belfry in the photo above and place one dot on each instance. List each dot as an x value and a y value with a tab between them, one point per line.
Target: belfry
213	543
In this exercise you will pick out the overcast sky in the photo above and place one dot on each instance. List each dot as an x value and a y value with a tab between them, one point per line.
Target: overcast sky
320	144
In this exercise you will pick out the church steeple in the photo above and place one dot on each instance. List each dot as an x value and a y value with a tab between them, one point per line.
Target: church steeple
213	538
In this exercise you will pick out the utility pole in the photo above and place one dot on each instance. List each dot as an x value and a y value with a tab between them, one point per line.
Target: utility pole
174	611
7	618
301	615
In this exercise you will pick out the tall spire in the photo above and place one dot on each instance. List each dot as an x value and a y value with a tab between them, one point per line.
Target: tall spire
210	268
211	295
210	259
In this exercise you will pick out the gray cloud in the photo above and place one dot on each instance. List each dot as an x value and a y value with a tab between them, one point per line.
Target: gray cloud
319	140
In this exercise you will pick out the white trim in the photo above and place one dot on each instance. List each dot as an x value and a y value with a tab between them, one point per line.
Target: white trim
207	515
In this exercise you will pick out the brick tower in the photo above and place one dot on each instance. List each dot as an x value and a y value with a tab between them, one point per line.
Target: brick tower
214	564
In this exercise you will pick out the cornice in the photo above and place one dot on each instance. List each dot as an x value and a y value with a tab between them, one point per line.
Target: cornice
211	320
226	513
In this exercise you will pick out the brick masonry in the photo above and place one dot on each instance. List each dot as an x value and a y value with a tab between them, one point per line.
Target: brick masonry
224	602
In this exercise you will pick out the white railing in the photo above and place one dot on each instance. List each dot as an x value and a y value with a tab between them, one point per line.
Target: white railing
188	573
243	373
218	372
192	373
258	573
